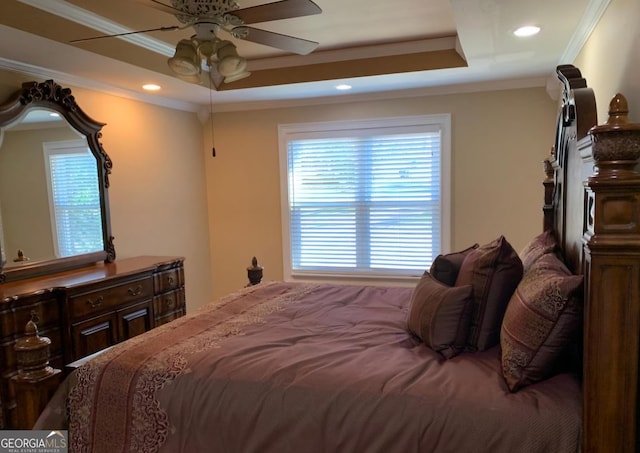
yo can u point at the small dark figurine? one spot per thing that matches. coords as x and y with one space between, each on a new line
20 257
254 272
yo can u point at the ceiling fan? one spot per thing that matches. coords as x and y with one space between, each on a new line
208 18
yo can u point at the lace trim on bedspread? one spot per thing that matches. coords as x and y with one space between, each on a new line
124 415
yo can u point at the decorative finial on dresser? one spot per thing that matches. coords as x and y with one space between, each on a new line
254 272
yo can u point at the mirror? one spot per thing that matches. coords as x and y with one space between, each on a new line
54 180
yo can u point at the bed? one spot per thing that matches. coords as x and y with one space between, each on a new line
278 366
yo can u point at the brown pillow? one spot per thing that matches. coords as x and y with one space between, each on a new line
494 270
445 268
439 315
538 246
541 320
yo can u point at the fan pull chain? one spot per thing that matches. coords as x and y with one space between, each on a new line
213 146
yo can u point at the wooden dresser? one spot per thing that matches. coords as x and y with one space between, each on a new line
86 310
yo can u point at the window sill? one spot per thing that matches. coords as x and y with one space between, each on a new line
351 279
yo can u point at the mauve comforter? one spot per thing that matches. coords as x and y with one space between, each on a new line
285 367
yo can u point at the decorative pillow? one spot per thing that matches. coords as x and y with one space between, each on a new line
439 315
541 320
445 268
538 246
494 270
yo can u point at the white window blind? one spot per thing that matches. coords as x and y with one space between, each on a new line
74 198
365 198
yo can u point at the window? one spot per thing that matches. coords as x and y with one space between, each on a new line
365 198
74 198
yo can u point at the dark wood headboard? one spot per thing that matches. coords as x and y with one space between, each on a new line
592 203
571 164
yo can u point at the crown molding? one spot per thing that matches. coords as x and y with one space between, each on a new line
81 16
441 90
64 78
592 15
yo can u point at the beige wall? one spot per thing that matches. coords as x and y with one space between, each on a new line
499 140
610 60
157 193
24 195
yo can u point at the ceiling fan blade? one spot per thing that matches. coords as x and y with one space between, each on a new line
170 28
284 9
277 40
161 6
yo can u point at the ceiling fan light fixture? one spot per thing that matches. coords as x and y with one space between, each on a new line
233 78
230 65
207 48
185 61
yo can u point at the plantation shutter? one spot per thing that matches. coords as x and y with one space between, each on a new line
76 201
365 201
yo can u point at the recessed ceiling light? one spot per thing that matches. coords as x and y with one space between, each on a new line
528 30
151 87
343 86
54 114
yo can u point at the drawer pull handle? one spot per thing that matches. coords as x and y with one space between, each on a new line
135 291
169 302
95 303
171 280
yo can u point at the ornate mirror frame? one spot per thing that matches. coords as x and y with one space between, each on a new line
49 95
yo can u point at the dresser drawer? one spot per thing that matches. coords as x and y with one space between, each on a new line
168 302
169 280
108 298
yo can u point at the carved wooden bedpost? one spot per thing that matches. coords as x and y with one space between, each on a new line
612 310
36 381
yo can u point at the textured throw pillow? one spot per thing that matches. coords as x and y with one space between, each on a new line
540 245
541 321
439 315
493 270
445 268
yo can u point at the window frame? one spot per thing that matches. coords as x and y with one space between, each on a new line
297 131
